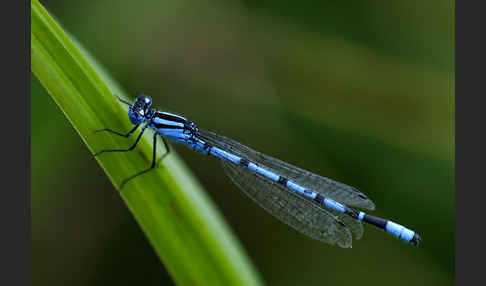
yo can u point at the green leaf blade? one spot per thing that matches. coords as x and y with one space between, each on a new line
180 221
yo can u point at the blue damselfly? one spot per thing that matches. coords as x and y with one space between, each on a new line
314 205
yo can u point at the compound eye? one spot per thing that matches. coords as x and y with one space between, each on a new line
145 99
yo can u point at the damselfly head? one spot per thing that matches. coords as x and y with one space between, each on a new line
139 110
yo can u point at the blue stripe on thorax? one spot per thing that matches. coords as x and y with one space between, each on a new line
162 121
170 117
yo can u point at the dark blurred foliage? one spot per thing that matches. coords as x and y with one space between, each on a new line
359 91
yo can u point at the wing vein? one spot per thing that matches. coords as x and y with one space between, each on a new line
300 213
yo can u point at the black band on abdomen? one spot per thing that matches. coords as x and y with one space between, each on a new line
319 199
352 213
376 221
244 162
282 180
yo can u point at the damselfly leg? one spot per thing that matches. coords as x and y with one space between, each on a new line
154 162
152 166
118 133
124 150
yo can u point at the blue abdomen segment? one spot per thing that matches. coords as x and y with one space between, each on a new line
391 227
402 232
332 204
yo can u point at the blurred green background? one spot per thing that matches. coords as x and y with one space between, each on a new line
359 91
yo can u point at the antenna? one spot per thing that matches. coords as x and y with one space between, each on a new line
121 100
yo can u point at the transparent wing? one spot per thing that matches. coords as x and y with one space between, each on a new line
355 226
296 211
329 188
291 209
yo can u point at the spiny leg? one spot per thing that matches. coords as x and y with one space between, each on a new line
118 133
153 160
167 149
125 150
146 170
